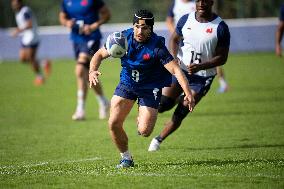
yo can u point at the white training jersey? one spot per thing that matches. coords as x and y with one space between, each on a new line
29 36
181 8
199 43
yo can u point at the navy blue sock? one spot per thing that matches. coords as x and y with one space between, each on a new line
159 138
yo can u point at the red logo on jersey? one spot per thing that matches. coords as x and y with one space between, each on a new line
146 56
209 30
84 2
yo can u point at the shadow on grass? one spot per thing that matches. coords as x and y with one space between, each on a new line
245 146
219 162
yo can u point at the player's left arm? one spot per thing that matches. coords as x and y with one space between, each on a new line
104 16
175 70
221 52
173 67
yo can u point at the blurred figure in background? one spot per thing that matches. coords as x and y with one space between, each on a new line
84 18
179 8
205 40
27 27
279 32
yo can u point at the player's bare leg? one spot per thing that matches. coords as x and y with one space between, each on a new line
120 108
173 124
147 119
224 87
103 102
29 55
82 74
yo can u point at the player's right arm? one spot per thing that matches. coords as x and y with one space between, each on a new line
174 44
177 36
28 24
95 64
64 20
170 22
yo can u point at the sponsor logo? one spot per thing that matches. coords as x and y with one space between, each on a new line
146 56
209 30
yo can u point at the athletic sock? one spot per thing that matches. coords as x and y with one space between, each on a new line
102 100
80 100
126 155
159 139
222 82
39 75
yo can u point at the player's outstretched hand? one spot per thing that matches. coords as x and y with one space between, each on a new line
94 77
190 101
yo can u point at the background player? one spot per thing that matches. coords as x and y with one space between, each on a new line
84 18
279 32
203 40
179 8
145 71
27 26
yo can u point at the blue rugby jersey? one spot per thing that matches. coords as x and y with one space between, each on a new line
143 64
83 11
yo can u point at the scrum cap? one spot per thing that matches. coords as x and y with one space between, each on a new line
144 15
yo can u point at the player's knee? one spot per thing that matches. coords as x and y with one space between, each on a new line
83 60
166 104
180 113
144 132
85 64
115 124
23 58
80 71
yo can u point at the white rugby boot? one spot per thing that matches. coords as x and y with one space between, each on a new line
154 145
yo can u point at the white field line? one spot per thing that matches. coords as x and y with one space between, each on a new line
48 163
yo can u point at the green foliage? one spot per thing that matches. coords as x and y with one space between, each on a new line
232 140
122 11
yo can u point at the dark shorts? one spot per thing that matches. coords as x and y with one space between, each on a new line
90 48
146 97
199 84
32 46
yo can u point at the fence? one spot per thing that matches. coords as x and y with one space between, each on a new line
247 35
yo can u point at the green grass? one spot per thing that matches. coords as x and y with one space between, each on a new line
232 140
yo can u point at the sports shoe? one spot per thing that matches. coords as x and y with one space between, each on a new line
154 145
78 116
125 163
47 67
104 111
38 81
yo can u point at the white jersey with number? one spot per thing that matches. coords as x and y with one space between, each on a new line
181 8
29 36
199 43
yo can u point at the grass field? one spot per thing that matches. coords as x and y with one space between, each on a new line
232 140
